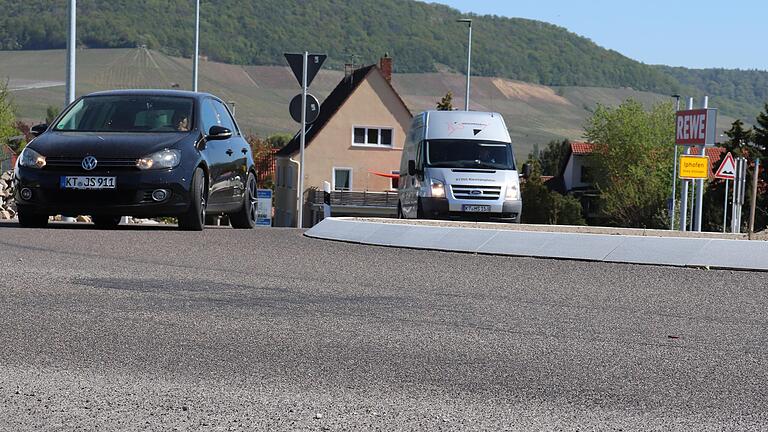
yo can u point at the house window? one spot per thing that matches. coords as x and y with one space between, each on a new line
586 174
372 136
395 180
342 179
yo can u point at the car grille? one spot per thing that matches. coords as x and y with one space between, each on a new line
465 192
59 163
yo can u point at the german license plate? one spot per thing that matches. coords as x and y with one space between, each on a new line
476 208
88 182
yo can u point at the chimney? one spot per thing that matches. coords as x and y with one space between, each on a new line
385 65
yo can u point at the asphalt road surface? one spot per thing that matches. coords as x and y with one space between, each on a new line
153 329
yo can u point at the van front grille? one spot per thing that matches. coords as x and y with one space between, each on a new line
472 192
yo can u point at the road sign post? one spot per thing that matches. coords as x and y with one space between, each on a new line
727 171
753 200
305 71
694 128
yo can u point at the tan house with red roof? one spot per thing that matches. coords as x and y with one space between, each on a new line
355 144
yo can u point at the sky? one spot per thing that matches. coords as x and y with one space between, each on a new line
694 34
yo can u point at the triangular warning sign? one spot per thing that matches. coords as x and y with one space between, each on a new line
727 169
296 62
477 131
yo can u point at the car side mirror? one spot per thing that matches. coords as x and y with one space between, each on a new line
38 129
218 133
412 168
527 170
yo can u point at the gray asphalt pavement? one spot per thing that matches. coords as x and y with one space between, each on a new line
154 329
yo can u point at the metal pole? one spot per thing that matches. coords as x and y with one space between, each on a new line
469 64
196 60
71 47
725 207
300 221
753 203
674 174
700 185
684 189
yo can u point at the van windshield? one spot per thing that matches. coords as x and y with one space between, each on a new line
469 154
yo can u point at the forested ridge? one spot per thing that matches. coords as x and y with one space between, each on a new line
422 37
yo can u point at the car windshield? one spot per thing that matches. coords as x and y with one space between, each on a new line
128 113
469 154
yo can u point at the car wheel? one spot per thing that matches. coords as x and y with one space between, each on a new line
245 218
32 220
106 222
194 218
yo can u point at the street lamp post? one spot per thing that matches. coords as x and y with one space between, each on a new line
71 47
196 60
469 59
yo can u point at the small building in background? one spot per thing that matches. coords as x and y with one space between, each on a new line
355 144
7 158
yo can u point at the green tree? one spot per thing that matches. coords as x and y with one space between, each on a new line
279 140
553 157
7 116
760 134
542 206
51 113
633 162
446 103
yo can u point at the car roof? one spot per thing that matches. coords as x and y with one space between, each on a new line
153 92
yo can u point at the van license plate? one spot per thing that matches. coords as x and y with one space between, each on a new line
476 208
87 182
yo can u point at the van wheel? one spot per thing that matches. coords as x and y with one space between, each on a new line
419 210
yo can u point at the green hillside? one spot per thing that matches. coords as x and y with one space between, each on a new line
423 37
534 113
257 32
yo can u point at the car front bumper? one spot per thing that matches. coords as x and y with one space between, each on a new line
132 195
508 211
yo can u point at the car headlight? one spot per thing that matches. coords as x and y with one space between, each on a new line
31 159
438 188
160 160
513 192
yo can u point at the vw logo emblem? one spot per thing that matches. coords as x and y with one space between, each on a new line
476 192
89 163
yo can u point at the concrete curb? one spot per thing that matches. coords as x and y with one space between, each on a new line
667 251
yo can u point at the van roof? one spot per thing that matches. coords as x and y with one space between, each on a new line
473 125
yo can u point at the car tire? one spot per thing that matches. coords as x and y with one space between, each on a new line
106 222
245 218
194 218
32 220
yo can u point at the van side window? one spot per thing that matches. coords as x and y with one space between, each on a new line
420 155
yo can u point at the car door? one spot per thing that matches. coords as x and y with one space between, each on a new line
215 154
237 152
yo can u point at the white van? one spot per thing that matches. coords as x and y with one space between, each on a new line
459 164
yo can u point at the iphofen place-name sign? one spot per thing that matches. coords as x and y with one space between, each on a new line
694 167
696 127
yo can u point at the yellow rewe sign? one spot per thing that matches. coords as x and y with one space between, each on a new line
694 167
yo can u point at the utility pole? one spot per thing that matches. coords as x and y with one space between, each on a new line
469 60
684 190
71 47
753 203
196 60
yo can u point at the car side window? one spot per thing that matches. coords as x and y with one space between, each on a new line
226 118
210 116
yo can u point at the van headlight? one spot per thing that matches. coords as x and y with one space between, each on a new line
31 159
438 188
513 192
161 160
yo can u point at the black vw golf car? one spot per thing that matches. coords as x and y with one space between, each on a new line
144 153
